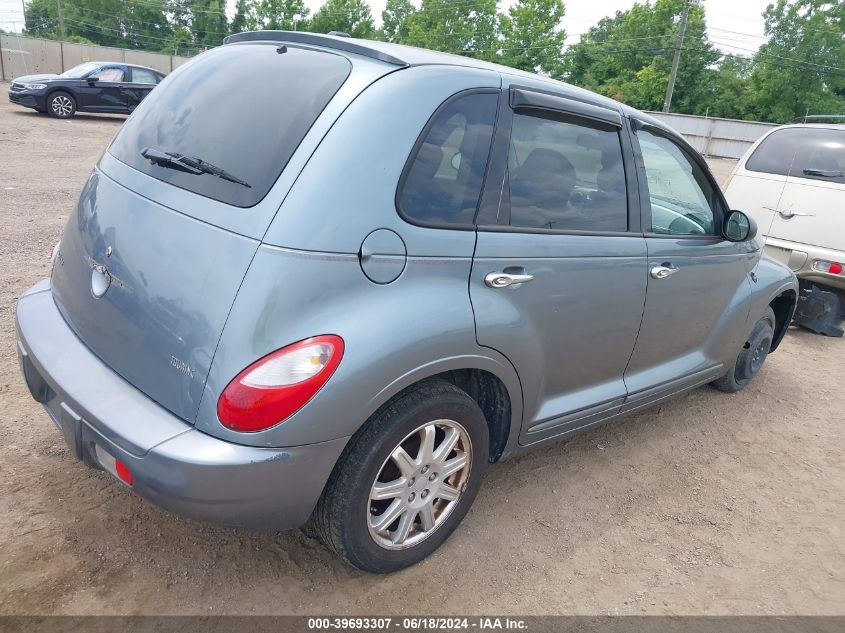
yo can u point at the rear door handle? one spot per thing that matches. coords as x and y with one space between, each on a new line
503 280
789 213
662 272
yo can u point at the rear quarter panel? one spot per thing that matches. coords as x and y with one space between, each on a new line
394 335
306 278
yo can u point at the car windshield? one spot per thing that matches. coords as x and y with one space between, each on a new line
80 71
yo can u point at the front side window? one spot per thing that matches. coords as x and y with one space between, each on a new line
110 74
143 76
815 153
566 174
443 181
682 197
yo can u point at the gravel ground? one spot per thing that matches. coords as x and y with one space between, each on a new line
709 504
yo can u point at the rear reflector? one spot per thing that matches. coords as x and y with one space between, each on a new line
275 387
122 471
113 465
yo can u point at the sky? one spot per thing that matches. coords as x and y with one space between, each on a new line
735 26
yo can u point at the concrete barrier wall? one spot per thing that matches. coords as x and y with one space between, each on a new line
719 138
152 60
26 56
75 54
29 55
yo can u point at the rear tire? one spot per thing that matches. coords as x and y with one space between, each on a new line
406 480
751 357
61 105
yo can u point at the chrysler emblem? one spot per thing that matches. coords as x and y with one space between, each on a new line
100 280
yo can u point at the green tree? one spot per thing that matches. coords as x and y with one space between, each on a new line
285 15
464 28
244 19
394 20
209 24
108 22
348 16
531 36
41 19
799 70
733 94
612 57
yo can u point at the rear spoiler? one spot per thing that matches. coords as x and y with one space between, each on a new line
335 42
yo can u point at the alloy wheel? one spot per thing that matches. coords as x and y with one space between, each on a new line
419 484
61 105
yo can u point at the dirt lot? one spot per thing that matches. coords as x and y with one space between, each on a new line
710 504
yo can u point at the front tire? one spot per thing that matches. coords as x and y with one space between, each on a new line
751 357
406 480
61 105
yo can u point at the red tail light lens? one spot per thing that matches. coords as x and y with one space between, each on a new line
275 387
123 472
834 268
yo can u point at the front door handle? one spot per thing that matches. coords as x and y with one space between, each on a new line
503 280
662 272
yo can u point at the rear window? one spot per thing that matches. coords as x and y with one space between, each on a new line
815 153
243 109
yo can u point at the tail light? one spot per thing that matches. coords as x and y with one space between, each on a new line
275 387
834 268
123 472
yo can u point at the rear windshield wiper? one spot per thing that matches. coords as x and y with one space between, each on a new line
823 173
188 164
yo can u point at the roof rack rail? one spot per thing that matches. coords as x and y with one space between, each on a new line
339 42
820 118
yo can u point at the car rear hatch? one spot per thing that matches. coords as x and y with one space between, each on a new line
153 257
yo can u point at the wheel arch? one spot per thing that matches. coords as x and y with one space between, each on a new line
783 305
492 383
64 89
774 286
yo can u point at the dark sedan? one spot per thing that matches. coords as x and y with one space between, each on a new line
89 87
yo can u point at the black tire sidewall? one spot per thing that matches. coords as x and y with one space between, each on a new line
765 327
351 488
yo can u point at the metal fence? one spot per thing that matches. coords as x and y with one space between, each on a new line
21 55
717 138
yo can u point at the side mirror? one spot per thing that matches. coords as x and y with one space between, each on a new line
93 79
739 227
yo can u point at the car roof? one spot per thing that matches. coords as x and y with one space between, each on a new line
402 55
804 126
158 72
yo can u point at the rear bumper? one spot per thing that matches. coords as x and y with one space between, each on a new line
173 465
800 257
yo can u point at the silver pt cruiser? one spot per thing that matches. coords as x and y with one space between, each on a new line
326 280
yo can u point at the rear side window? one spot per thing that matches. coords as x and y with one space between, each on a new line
815 153
566 175
243 109
143 76
443 179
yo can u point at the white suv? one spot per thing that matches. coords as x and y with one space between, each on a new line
792 182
